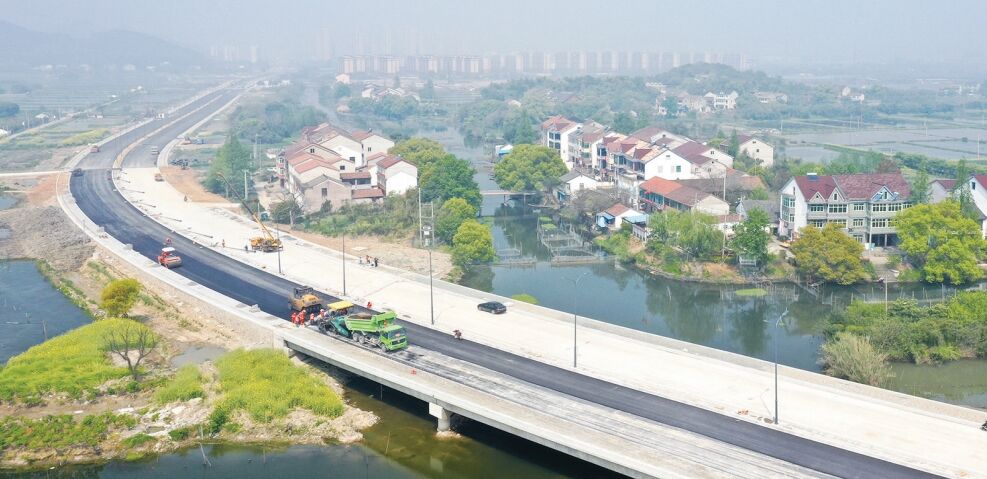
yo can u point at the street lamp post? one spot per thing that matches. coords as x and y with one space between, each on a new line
280 246
344 263
427 236
575 323
777 324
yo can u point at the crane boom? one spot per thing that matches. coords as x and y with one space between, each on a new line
268 242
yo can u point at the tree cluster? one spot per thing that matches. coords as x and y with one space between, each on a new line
943 243
829 255
693 234
529 168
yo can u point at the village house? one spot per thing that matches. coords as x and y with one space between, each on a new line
756 149
615 216
976 186
555 134
658 194
721 102
744 207
864 205
734 183
941 189
330 164
572 183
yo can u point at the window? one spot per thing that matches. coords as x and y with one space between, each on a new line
879 207
858 222
973 185
817 208
841 208
817 223
788 202
311 150
678 168
369 149
859 206
325 192
840 223
342 167
879 223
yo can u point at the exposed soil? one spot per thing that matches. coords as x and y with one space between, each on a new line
397 254
189 183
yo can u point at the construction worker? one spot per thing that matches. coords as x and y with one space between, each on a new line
370 305
294 318
301 317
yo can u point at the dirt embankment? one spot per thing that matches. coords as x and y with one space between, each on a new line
395 254
188 182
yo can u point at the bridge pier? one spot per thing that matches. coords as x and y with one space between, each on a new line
442 414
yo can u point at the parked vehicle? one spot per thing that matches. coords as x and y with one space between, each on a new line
154 151
158 177
377 330
77 172
94 148
492 307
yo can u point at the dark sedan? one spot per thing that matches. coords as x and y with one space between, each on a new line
492 307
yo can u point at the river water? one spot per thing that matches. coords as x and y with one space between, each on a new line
30 308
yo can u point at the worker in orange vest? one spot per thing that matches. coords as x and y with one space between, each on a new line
301 318
294 318
370 305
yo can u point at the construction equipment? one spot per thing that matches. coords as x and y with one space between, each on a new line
94 148
168 258
267 242
304 299
377 330
158 177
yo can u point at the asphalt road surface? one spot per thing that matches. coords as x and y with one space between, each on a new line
96 196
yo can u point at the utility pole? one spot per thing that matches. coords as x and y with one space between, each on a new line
344 263
777 324
575 318
255 150
427 234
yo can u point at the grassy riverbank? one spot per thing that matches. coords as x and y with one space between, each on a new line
69 400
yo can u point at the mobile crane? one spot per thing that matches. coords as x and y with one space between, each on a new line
266 242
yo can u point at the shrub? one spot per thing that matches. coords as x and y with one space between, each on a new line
119 296
852 357
73 363
137 440
60 431
266 385
186 385
524 297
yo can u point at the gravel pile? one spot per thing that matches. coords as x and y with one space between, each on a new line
44 233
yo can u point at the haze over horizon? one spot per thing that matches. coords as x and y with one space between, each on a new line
772 31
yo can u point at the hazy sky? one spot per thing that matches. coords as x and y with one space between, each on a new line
794 30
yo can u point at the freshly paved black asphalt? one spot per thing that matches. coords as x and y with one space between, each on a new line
96 196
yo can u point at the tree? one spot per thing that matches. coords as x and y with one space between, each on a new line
343 90
472 244
888 165
285 211
943 243
518 129
529 167
830 255
920 188
734 148
962 194
695 234
428 92
452 215
625 123
9 109
232 159
119 296
751 236
132 343
450 177
421 152
852 357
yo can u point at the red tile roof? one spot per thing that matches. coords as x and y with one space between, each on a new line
557 123
822 184
855 187
361 135
674 191
948 183
617 209
311 165
367 193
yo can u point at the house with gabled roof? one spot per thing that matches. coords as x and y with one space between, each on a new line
555 134
864 205
756 149
658 194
